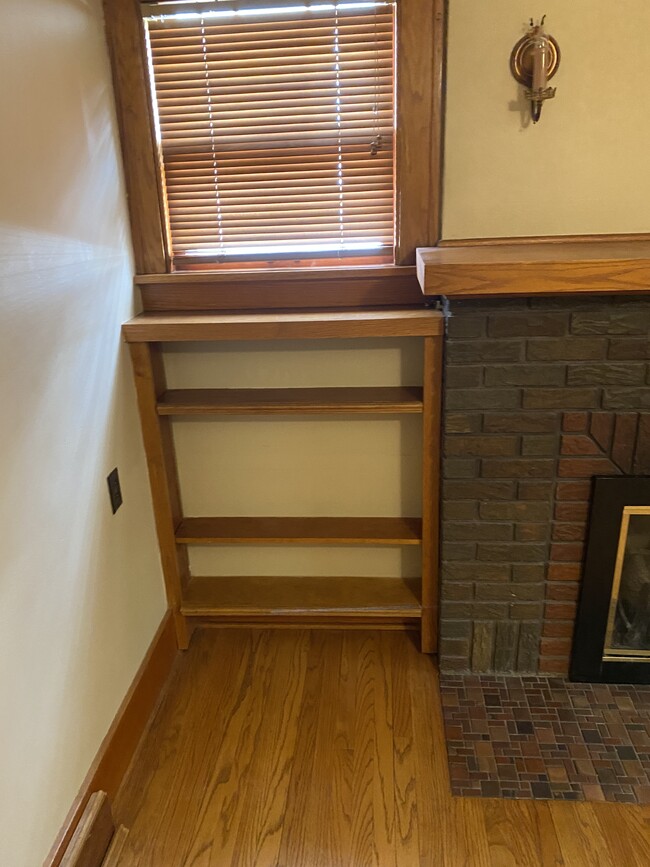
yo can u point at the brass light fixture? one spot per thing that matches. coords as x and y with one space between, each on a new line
534 61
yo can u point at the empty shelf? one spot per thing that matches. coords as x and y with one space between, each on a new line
249 401
319 598
318 531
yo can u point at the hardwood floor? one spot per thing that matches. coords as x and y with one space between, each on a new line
318 749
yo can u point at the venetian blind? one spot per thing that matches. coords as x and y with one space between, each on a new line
275 128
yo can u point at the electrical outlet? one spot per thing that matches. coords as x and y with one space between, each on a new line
114 490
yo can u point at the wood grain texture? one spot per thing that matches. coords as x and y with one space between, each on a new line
327 749
149 375
119 745
114 853
155 327
521 834
312 598
536 269
92 835
431 432
283 401
288 288
283 531
125 35
418 152
543 239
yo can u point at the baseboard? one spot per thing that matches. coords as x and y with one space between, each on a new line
119 745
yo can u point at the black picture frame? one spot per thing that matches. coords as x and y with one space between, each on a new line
610 495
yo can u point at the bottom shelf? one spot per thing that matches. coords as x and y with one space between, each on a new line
298 599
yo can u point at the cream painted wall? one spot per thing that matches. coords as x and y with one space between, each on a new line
585 167
80 590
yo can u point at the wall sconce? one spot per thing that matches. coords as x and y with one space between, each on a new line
533 62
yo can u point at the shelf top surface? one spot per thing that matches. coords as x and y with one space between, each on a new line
521 254
381 531
169 327
290 400
246 594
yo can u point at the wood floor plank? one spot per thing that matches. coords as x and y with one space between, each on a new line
521 834
407 839
305 831
451 830
580 836
384 768
626 833
222 802
263 808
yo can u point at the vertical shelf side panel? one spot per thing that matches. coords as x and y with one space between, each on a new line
149 375
431 421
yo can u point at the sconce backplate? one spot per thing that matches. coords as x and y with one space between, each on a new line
521 59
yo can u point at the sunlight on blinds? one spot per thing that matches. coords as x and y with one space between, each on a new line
275 128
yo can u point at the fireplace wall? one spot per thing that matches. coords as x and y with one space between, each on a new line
540 396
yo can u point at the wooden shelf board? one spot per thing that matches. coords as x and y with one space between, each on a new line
314 324
302 598
556 268
317 531
249 401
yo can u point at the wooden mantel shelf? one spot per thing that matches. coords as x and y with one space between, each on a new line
586 266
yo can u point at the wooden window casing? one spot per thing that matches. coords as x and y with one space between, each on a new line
417 148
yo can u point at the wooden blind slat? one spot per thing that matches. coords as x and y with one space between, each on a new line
276 131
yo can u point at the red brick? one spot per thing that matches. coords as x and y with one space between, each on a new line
584 468
569 532
562 591
557 629
531 532
560 611
578 444
571 511
601 429
555 647
553 665
625 440
642 458
567 552
575 421
573 491
564 572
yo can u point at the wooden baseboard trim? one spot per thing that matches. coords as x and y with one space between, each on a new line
128 726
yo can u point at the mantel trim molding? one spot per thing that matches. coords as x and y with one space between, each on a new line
536 266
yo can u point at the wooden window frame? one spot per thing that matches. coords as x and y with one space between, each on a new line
419 49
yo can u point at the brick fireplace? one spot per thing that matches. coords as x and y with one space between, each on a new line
541 395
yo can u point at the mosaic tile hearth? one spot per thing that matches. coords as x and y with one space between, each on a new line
546 738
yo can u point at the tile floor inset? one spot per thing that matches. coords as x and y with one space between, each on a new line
543 737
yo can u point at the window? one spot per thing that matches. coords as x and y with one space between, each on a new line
275 128
400 41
